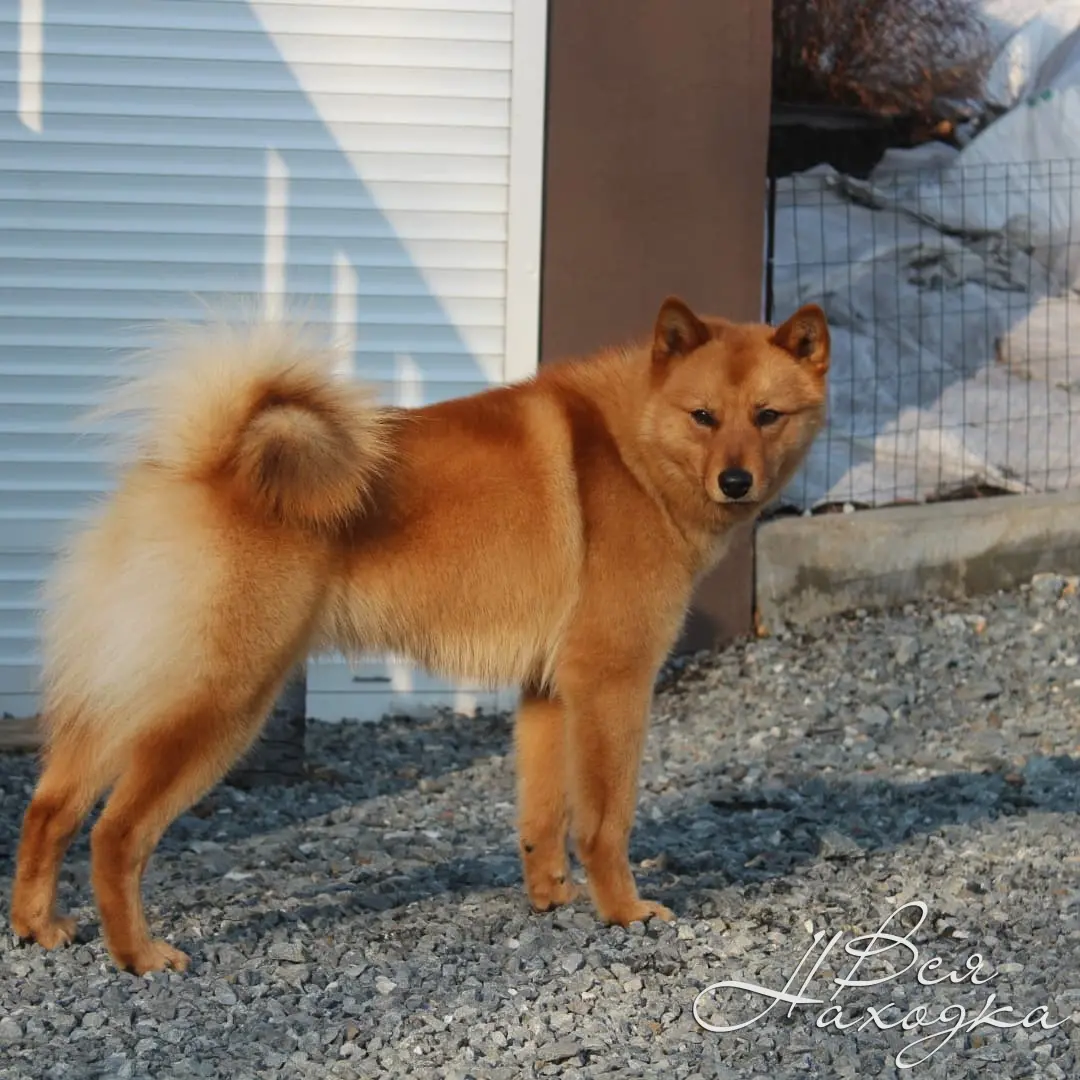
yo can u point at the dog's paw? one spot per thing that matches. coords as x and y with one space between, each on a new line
553 893
155 955
639 911
49 933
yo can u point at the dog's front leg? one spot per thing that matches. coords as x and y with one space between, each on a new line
607 712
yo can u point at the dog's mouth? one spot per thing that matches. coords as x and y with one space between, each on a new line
725 502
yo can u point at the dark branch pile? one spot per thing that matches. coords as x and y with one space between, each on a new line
914 58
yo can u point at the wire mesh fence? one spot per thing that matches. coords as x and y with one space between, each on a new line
952 299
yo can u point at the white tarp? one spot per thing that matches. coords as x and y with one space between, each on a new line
1028 33
952 294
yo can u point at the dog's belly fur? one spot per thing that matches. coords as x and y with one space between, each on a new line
460 619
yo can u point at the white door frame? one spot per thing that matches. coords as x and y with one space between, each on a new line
528 83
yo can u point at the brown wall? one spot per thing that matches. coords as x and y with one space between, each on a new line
657 133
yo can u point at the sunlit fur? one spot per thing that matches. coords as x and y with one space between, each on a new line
546 535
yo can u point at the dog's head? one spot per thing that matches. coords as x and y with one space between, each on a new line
735 406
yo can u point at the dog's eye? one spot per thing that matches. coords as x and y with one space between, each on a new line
765 417
703 417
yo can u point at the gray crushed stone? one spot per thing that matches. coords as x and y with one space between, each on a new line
370 922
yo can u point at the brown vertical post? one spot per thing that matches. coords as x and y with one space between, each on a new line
656 145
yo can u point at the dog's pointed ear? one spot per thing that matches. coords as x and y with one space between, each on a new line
678 331
806 336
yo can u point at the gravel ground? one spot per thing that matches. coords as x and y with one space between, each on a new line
370 922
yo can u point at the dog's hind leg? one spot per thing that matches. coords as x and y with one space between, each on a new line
171 764
543 812
69 786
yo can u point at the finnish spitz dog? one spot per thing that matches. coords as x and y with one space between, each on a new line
546 535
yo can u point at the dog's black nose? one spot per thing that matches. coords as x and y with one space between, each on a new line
735 483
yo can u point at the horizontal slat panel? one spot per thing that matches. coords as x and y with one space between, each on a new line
22 215
74 10
60 462
41 385
65 498
107 365
21 425
183 75
65 438
21 603
19 674
183 248
108 332
505 6
87 277
449 375
35 532
148 132
107 43
342 195
155 305
180 160
70 101
20 596
50 476
356 19
23 566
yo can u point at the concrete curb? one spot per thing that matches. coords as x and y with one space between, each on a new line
809 567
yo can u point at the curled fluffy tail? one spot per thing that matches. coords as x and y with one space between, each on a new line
260 413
